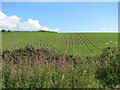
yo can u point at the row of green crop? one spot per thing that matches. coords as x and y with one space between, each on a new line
74 43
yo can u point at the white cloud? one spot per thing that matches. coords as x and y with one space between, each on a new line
30 24
56 30
8 21
47 29
13 22
103 29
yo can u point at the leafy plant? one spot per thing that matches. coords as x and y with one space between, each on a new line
108 72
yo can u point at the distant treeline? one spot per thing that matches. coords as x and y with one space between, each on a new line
47 31
3 30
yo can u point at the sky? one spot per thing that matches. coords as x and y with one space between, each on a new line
60 16
60 0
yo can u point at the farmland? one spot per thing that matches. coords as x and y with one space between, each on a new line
67 43
60 60
56 45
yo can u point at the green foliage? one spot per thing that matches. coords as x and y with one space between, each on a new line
108 72
3 30
54 71
9 30
60 60
47 31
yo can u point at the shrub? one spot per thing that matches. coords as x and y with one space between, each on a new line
42 68
47 31
9 30
108 72
3 30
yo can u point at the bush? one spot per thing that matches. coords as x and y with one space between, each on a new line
3 30
108 72
9 30
47 31
42 68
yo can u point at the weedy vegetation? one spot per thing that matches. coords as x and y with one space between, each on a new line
45 67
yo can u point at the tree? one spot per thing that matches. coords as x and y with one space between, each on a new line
9 30
3 30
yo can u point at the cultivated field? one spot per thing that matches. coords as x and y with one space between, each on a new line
68 43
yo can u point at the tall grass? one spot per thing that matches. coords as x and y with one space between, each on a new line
42 68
